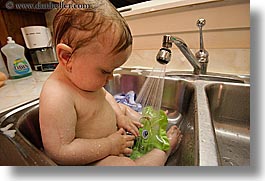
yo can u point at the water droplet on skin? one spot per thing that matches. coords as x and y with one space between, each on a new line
74 153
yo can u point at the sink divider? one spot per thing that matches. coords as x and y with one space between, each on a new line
206 142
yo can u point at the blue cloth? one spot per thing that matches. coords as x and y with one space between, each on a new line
128 99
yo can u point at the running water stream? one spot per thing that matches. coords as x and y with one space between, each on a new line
151 92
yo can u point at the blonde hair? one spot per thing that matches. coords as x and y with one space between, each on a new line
97 17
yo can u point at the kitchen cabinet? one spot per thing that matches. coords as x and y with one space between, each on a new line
12 20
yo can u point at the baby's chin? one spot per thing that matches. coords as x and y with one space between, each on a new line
87 88
94 89
91 89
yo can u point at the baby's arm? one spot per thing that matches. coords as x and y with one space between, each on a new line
58 122
126 117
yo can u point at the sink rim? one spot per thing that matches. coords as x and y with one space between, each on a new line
216 77
172 74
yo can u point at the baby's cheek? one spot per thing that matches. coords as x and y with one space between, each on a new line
99 83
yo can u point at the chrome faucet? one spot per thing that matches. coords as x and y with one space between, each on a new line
199 61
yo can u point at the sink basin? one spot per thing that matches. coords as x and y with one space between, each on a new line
26 147
230 114
209 77
178 99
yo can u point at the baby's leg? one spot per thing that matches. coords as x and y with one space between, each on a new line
158 157
174 136
155 157
115 161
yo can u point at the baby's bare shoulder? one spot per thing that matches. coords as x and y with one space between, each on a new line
56 87
56 93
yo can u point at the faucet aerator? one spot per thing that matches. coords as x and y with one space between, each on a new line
163 56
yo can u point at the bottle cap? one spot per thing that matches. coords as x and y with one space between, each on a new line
9 40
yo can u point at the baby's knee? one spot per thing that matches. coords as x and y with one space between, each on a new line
121 161
116 161
125 161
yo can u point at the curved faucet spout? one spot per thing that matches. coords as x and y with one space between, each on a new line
164 53
183 47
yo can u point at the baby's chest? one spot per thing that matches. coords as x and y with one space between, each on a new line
96 119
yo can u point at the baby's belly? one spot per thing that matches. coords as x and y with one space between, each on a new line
101 124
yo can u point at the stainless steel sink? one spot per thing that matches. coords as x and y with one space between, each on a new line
230 113
26 147
178 99
213 116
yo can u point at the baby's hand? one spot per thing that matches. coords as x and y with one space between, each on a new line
129 125
120 142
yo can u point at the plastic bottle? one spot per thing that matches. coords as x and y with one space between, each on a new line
18 65
3 66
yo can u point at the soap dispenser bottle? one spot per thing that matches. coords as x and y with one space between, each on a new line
3 66
18 65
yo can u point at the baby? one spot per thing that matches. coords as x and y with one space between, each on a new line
81 123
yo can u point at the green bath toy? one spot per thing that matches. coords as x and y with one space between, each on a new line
152 134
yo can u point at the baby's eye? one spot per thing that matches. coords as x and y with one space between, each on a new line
105 72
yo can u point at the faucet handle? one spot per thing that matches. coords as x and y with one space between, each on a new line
201 22
202 54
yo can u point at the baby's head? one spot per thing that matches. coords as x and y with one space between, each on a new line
76 27
91 40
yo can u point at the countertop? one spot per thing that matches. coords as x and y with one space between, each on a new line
16 92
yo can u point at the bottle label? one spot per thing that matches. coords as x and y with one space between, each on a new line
21 66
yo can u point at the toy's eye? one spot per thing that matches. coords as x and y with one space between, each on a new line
145 134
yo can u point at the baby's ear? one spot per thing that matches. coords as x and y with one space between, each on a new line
64 53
